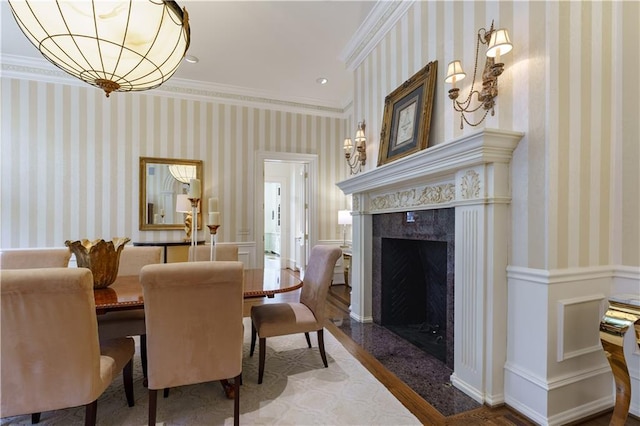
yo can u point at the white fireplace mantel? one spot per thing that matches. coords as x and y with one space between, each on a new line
471 174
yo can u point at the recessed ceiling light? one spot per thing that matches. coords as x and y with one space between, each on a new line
322 80
191 59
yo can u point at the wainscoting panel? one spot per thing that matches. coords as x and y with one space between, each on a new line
576 319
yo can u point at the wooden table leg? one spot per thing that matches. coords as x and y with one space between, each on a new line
227 386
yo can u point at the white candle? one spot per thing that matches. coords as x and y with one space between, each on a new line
213 205
161 212
194 188
214 218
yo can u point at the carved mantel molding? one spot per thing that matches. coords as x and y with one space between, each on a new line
444 175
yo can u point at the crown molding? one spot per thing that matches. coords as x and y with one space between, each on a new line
383 17
36 69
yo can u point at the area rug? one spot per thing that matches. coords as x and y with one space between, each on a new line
296 390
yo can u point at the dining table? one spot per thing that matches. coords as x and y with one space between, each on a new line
126 291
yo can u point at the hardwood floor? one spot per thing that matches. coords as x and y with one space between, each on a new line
337 307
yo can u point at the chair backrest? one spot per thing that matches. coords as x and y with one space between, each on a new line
193 313
133 258
317 278
50 350
35 258
223 252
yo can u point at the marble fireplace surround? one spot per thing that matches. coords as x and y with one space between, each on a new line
472 175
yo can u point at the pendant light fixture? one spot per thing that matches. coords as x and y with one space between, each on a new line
118 46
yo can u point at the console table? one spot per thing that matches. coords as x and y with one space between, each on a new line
622 316
346 259
166 245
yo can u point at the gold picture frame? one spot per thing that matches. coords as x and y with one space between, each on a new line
407 116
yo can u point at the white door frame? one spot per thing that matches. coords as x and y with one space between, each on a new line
311 160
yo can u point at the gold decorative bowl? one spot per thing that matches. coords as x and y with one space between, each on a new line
100 256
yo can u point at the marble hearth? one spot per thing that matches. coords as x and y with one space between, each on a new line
471 175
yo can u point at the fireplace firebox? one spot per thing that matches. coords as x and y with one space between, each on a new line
413 278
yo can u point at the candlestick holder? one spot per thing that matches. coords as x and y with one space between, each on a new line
194 231
213 229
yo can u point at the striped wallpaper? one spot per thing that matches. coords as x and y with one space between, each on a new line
70 156
570 84
70 160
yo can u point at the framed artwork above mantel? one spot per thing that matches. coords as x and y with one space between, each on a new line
407 116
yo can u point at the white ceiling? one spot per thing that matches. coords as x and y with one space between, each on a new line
276 48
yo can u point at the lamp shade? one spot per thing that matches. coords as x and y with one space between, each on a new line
344 217
118 46
499 43
183 205
182 172
454 72
348 145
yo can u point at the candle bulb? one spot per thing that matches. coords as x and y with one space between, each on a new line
194 188
213 205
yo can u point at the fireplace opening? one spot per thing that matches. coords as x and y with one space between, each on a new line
414 292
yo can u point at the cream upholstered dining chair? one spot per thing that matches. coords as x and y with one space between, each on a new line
131 322
35 258
51 355
278 319
194 325
223 252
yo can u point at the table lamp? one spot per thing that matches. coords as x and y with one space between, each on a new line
183 205
344 219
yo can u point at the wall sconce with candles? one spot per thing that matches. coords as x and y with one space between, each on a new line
358 157
498 43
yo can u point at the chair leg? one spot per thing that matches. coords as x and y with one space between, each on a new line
236 400
35 418
253 339
321 346
90 414
143 354
165 393
127 379
153 402
263 350
306 335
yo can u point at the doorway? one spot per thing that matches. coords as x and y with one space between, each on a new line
285 218
272 218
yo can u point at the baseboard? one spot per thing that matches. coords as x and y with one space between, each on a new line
581 412
469 390
359 318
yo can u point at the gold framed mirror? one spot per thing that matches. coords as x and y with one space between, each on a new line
161 181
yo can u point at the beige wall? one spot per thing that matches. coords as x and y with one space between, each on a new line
570 84
69 156
70 159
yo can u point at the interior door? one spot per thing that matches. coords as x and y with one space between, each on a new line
272 217
302 216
